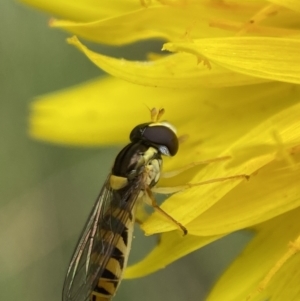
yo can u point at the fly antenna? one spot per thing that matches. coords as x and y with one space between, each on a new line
156 114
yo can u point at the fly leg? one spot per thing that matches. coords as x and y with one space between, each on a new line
173 173
170 174
149 199
174 189
170 190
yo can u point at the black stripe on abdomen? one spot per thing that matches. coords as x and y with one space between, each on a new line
111 276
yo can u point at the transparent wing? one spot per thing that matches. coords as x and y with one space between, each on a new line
98 239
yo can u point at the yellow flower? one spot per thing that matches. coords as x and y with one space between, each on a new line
232 86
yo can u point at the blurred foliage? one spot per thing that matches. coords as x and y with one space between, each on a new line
47 190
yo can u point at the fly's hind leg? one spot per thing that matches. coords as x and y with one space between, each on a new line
149 198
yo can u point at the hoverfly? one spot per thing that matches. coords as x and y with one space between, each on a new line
98 262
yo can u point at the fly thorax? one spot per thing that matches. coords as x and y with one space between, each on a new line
153 171
153 166
130 162
134 160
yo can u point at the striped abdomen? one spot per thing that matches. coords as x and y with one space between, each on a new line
117 219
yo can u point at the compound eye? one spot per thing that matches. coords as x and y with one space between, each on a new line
163 137
138 132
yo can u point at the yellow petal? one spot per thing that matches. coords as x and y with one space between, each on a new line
161 255
104 111
291 4
87 114
242 278
152 22
76 116
272 191
285 123
84 10
176 71
137 25
262 57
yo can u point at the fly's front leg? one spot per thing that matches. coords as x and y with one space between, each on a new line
170 190
173 173
170 174
149 199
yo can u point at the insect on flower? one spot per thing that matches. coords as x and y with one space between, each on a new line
98 262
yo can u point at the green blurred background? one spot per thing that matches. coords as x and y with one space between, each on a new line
47 191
